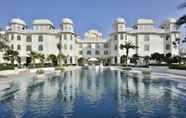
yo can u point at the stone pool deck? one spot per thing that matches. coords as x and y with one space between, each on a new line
8 76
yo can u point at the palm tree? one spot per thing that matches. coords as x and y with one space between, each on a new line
157 56
135 58
127 46
11 55
181 6
59 47
53 59
61 57
3 45
41 57
182 19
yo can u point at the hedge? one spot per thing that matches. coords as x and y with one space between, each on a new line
6 67
180 67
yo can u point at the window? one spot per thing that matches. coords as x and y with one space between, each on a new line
167 47
97 52
115 47
116 37
89 46
167 38
40 38
12 47
28 48
71 37
97 46
65 36
121 36
18 37
18 47
65 46
146 38
106 52
71 47
80 52
80 46
88 52
29 39
126 37
146 47
40 48
12 37
106 45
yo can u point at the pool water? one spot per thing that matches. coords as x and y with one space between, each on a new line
97 94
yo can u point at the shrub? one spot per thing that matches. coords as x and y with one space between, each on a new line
7 67
126 68
146 72
180 67
40 71
61 68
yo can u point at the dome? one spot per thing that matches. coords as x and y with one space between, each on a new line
145 21
67 20
172 20
120 20
17 21
42 22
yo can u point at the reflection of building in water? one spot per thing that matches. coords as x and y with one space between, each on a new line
93 86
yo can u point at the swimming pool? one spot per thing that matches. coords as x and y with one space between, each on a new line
97 94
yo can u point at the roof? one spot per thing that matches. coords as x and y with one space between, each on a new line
42 22
17 21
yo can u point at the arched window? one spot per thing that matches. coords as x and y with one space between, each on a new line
18 37
71 60
40 48
115 60
40 38
28 48
28 38
18 47
12 46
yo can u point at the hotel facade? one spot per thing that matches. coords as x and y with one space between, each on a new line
43 37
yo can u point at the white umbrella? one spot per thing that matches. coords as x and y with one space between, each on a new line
93 59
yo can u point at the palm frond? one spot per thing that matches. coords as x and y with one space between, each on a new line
182 6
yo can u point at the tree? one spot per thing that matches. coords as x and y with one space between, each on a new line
177 59
146 60
81 61
127 46
168 58
3 45
41 57
11 55
157 57
34 56
61 57
134 58
53 59
182 5
123 59
181 21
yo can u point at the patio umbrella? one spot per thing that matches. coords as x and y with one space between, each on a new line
93 59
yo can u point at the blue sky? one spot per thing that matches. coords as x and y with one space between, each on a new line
87 14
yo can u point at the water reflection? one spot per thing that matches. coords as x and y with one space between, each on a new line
97 93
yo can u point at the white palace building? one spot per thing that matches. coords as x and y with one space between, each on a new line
43 37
